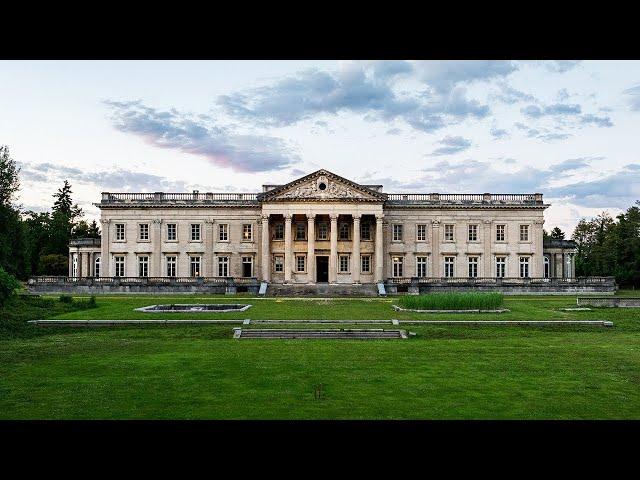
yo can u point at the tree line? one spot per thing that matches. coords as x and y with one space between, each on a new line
37 243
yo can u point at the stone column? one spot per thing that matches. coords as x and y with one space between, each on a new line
355 254
487 249
70 264
86 268
435 249
311 247
209 239
379 247
79 253
333 258
557 263
105 242
156 258
266 257
288 248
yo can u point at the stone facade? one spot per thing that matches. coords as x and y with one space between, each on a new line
319 228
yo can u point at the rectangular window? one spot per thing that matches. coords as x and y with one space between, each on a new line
524 267
172 266
172 232
119 264
300 263
421 266
449 264
365 231
501 267
473 267
223 266
194 267
247 232
195 232
301 231
343 231
524 233
247 266
143 231
119 232
500 233
323 231
397 264
421 233
448 233
343 263
473 233
397 232
143 266
365 263
75 265
278 231
223 232
278 263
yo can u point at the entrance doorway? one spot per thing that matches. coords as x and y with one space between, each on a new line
322 269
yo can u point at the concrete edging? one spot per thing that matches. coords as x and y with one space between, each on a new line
397 308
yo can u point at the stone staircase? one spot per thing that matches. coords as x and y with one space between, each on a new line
324 334
322 290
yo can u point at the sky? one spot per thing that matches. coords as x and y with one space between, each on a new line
567 129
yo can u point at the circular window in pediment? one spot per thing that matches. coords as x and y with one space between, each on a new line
322 186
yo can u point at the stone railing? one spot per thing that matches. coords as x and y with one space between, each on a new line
507 285
465 198
85 242
58 284
161 198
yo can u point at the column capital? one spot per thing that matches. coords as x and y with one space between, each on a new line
356 216
105 221
287 217
333 216
311 216
379 217
435 223
264 217
157 221
209 221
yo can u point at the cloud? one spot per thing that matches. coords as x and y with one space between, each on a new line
510 95
572 164
451 145
443 75
498 133
394 131
109 180
199 135
363 88
634 97
534 111
599 121
561 66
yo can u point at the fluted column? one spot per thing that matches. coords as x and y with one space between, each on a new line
487 249
333 258
355 254
379 249
311 248
288 248
105 243
435 249
209 239
266 260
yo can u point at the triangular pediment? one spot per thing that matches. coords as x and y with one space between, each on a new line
322 185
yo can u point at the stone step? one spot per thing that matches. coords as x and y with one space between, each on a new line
323 290
347 334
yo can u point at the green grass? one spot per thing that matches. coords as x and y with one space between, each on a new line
189 372
453 301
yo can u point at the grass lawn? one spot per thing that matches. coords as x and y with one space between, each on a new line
201 372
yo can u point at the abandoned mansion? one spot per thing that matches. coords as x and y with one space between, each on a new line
321 229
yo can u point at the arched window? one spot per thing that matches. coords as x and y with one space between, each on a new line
546 267
96 268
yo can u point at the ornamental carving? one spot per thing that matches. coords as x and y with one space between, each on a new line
323 188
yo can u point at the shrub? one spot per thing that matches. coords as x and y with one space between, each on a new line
8 284
66 298
453 301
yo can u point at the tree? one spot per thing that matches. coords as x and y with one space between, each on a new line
557 233
9 181
54 264
63 220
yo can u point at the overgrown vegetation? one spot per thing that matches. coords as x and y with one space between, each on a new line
453 301
8 284
19 309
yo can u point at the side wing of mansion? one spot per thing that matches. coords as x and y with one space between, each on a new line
321 228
